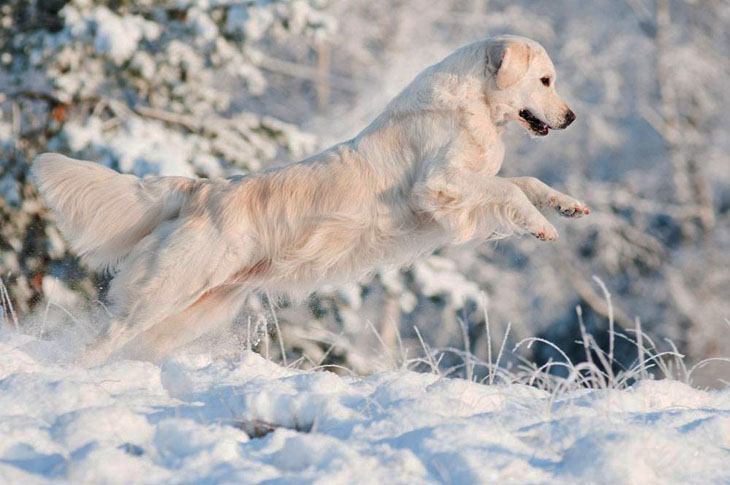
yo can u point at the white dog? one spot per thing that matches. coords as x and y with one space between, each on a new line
422 175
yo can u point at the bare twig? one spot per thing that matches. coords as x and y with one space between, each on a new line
303 71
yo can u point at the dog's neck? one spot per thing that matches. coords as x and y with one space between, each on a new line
500 114
444 105
424 131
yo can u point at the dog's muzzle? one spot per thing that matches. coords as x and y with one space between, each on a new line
537 126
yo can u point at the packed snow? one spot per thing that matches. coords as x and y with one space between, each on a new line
195 418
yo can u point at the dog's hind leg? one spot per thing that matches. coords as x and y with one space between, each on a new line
211 311
542 196
169 271
101 350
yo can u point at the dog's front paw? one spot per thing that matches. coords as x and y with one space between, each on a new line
568 206
545 232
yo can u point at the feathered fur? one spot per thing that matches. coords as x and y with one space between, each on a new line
104 213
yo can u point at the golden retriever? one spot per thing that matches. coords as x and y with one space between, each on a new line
423 174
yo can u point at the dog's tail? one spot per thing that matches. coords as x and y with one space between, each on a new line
101 212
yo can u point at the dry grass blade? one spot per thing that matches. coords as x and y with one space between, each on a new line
429 355
7 305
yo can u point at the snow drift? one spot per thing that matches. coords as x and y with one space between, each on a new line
197 419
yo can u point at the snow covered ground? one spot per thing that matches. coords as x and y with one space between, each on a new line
195 419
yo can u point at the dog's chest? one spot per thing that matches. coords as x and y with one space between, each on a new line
493 156
482 147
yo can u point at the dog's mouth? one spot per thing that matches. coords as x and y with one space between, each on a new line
535 124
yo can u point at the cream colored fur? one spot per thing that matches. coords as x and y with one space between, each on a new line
422 175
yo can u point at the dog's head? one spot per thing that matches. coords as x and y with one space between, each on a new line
521 85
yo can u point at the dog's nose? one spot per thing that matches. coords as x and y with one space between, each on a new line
569 118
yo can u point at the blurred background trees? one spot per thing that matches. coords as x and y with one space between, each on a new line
144 87
217 88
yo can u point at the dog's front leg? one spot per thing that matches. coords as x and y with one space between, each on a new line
513 204
474 207
542 196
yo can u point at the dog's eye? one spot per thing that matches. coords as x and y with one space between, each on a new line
545 81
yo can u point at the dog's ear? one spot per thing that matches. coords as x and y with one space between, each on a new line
508 61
